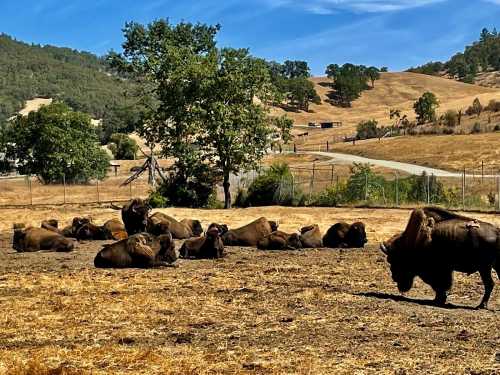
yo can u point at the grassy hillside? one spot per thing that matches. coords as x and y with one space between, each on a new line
78 78
393 90
450 152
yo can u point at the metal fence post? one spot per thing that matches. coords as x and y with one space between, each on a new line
64 188
498 192
31 190
463 190
366 186
130 188
331 179
293 188
98 193
428 189
397 189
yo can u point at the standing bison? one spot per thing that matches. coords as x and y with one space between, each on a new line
135 216
343 235
138 251
437 242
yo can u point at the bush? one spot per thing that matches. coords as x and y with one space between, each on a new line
194 192
493 106
123 147
367 130
448 131
496 128
476 128
330 197
450 118
274 186
156 200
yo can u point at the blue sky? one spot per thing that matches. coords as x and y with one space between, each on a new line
393 33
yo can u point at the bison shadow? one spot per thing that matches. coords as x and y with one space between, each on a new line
422 302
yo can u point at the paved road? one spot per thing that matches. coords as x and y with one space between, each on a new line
338 158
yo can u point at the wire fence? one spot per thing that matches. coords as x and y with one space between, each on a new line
326 185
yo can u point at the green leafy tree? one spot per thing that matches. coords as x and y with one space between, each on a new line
301 93
283 126
56 143
296 69
123 147
373 74
425 107
238 131
120 119
477 107
349 81
172 64
367 130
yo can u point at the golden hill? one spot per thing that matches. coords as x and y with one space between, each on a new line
393 90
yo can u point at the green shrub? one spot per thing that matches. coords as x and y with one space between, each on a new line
156 200
450 118
193 192
476 128
367 130
331 196
123 147
274 186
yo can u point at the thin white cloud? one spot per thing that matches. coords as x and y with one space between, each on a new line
364 6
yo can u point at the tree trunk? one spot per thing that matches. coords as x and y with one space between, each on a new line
227 192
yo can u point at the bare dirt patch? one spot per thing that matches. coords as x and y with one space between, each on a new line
315 311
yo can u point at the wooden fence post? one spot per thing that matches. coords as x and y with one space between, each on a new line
98 193
31 191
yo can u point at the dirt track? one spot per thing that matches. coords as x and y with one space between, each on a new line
316 311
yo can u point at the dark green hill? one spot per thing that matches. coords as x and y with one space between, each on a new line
481 57
78 78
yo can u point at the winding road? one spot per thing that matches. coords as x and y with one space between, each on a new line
338 158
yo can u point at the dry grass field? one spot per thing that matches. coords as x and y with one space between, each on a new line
449 152
393 90
253 312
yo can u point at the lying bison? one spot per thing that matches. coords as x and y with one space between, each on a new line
209 246
279 240
141 250
437 242
111 230
35 239
180 230
310 237
250 234
343 235
135 216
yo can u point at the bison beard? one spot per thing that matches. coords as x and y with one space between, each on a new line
437 242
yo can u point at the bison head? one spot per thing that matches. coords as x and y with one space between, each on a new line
294 241
196 228
221 228
399 261
356 236
168 252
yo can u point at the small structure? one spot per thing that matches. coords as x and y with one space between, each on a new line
115 166
331 124
312 125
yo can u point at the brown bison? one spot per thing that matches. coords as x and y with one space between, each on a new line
343 235
437 242
141 250
311 237
221 228
209 246
279 240
250 234
35 239
135 216
180 230
111 230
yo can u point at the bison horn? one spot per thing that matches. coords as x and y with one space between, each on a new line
383 248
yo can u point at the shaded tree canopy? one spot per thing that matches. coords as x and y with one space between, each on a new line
55 143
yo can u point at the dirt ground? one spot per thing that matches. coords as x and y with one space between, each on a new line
305 312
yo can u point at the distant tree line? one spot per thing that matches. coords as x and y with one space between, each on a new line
79 79
481 56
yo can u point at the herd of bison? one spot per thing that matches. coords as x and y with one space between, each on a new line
435 243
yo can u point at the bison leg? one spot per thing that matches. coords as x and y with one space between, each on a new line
488 287
441 285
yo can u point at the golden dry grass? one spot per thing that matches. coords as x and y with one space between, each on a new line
307 312
450 152
393 90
